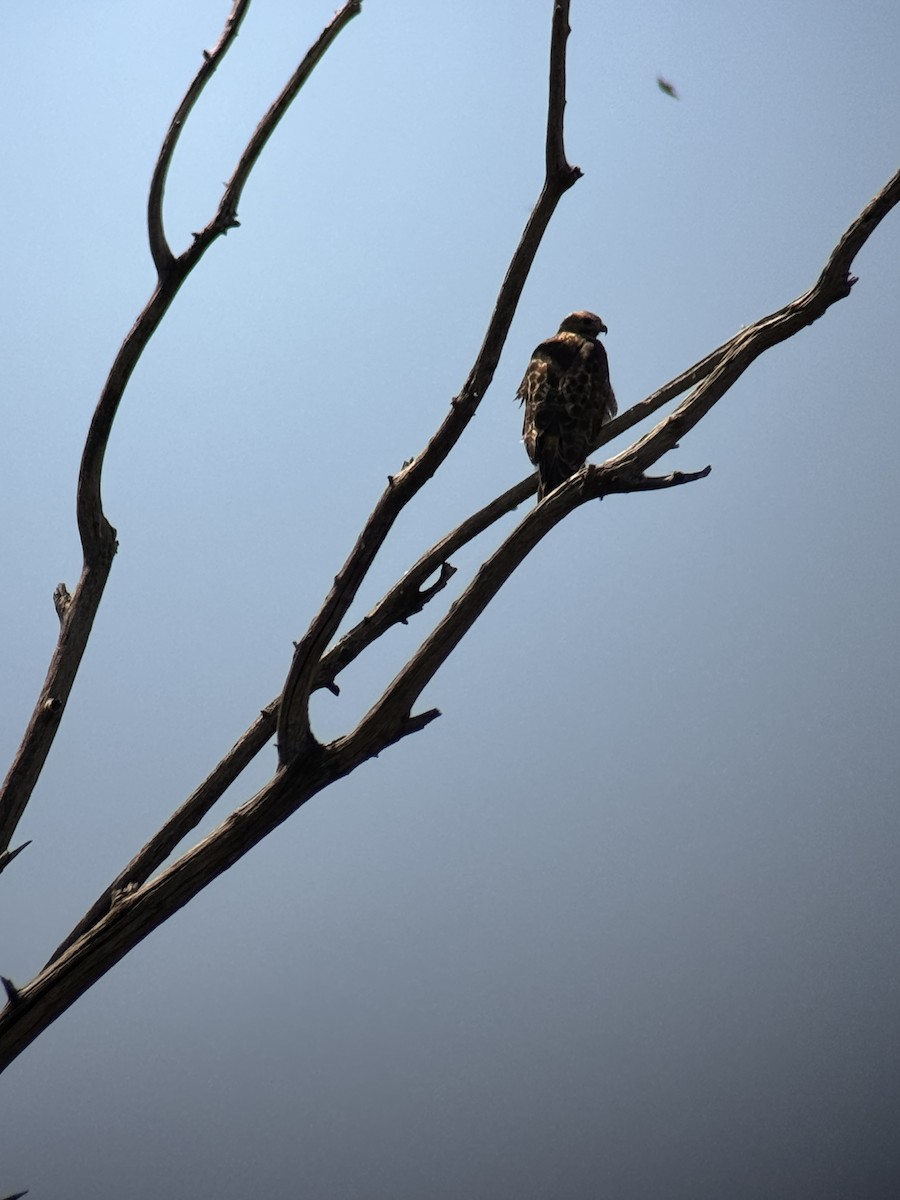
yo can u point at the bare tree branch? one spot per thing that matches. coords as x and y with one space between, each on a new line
98 538
163 258
510 499
408 595
136 904
406 598
391 609
590 483
267 126
185 818
294 732
12 992
308 767
834 283
625 471
8 855
136 912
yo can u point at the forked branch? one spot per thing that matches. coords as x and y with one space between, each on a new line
163 258
136 904
98 537
410 594
294 732
625 472
305 767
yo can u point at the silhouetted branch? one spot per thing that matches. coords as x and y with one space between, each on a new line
12 992
163 258
309 766
294 732
8 855
267 126
136 904
557 166
625 471
590 483
98 538
136 911
618 475
406 598
609 484
834 283
185 818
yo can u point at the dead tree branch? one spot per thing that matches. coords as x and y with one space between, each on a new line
294 732
625 472
8 855
134 910
98 537
834 283
163 258
409 594
185 818
136 904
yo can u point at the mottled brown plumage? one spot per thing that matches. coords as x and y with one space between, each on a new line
567 397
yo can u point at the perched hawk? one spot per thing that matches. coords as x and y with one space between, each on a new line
567 397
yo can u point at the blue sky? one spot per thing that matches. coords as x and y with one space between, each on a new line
624 921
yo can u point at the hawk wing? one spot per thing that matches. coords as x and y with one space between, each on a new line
567 396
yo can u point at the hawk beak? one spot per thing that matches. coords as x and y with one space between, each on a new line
603 328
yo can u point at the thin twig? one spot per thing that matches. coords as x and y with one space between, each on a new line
267 126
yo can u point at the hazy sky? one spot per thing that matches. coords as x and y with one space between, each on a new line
623 923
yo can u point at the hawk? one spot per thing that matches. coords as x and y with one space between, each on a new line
567 397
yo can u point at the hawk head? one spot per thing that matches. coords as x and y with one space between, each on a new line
587 324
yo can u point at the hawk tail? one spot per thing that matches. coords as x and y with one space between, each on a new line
553 471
